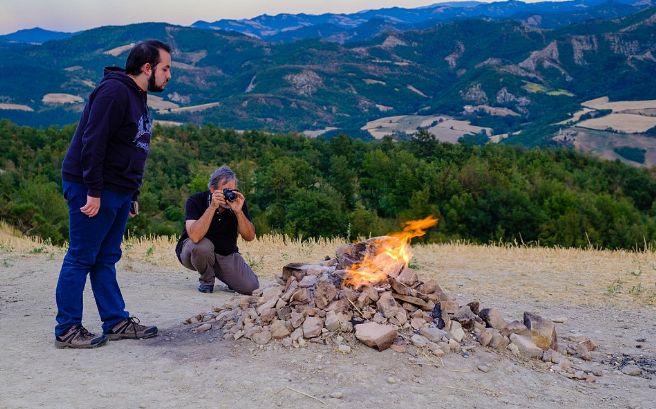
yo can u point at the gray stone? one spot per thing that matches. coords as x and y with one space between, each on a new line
515 327
485 337
454 346
419 341
498 341
202 328
297 318
336 395
483 368
493 318
279 329
632 370
337 321
433 334
376 335
308 281
297 334
345 349
324 293
417 323
407 276
312 327
388 305
466 317
436 349
543 331
526 346
582 352
456 331
262 337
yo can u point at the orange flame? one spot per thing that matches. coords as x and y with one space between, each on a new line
391 255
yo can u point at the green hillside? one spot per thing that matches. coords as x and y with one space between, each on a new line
349 188
311 84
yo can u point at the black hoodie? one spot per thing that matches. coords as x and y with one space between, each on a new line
111 142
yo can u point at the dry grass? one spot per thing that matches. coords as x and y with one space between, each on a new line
557 276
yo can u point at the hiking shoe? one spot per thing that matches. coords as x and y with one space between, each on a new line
130 328
206 288
78 337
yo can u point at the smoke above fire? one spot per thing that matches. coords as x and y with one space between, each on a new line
391 254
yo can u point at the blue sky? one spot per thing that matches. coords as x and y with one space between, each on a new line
75 15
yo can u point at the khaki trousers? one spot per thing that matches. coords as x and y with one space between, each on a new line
232 269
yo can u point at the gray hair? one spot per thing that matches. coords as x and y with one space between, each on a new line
224 173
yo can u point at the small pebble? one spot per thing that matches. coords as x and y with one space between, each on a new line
559 320
345 349
483 368
632 370
391 380
142 406
337 395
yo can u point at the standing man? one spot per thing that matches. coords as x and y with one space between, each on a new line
102 172
208 243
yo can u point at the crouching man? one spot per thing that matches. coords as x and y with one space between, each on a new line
208 243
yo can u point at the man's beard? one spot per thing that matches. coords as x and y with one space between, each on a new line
152 85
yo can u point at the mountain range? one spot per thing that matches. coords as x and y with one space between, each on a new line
514 77
370 23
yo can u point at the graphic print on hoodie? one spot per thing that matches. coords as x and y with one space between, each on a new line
112 139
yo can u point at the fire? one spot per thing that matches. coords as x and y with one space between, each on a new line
392 253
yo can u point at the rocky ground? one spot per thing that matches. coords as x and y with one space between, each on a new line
605 296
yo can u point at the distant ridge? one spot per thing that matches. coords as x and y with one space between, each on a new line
357 26
35 35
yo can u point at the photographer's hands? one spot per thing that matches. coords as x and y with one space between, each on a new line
218 200
238 203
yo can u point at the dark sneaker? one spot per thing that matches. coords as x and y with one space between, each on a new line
78 337
206 288
131 329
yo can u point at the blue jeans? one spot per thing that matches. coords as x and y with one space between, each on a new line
94 248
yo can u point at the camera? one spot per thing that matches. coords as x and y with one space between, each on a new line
229 194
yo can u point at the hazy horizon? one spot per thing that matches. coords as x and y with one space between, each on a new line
78 15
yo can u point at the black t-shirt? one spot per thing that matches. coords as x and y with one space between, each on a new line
222 231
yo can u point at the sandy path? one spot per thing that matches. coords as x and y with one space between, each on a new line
179 369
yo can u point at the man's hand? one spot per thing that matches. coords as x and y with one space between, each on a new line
238 203
92 207
134 208
217 200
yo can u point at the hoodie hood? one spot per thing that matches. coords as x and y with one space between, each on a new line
119 74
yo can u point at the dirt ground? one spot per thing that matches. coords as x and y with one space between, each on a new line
607 296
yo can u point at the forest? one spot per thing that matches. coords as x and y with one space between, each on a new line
351 188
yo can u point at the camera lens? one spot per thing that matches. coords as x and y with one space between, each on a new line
229 195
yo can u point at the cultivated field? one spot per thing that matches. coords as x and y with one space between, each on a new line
59 98
625 123
445 128
609 296
16 107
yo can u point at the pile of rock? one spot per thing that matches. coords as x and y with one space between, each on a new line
311 304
